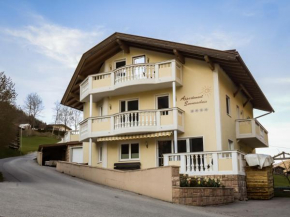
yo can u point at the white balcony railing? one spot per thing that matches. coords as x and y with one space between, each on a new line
252 132
136 74
140 121
72 135
208 163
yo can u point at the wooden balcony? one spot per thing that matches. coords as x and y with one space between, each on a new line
148 76
208 163
133 122
252 133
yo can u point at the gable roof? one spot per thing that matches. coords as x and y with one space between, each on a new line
229 60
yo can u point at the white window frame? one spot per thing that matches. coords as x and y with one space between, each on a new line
129 143
126 104
120 60
100 153
141 55
228 105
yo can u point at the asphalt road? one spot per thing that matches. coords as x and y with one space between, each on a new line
31 190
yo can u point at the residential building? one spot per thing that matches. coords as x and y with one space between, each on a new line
148 102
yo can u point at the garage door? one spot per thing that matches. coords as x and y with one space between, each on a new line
77 155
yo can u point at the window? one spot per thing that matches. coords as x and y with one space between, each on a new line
163 103
129 105
139 59
100 153
130 151
228 104
231 145
181 146
120 63
196 144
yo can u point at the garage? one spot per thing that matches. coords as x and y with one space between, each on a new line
77 155
69 151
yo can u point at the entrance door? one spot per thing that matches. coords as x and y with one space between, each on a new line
130 105
162 102
164 147
139 71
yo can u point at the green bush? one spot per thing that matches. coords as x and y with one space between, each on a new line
186 181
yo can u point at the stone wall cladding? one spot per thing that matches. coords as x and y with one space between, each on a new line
237 182
202 196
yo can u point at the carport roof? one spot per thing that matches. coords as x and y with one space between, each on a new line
57 145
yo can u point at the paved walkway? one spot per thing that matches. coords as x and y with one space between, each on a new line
31 190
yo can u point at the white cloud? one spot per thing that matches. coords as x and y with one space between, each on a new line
218 40
42 58
60 43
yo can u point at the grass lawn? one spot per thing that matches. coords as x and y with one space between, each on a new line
280 180
30 144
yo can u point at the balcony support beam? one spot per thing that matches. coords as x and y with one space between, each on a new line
248 100
123 46
179 56
76 97
209 62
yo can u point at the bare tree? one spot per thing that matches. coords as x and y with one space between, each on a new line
76 118
66 116
33 106
57 108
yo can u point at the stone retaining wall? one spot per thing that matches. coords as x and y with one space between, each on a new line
202 196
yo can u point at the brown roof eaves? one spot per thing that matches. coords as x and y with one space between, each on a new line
229 60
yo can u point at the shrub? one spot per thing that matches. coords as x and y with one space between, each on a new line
186 181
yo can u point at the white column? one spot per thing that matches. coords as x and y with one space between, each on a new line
91 105
217 108
173 94
175 141
174 105
90 152
235 162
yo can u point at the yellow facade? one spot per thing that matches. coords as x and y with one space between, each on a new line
195 97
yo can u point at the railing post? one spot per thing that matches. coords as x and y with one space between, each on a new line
165 160
173 68
156 71
112 79
158 119
215 162
253 127
235 162
182 164
112 123
90 83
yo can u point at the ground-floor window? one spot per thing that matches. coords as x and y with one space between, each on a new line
181 146
129 151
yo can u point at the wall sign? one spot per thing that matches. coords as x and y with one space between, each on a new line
199 99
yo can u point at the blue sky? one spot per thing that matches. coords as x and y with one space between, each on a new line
42 41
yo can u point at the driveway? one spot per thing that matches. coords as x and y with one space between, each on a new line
31 190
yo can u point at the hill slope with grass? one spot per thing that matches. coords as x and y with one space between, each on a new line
29 144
